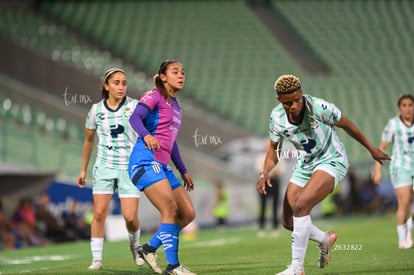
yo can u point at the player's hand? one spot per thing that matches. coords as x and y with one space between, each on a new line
380 155
151 142
188 182
376 178
81 179
261 183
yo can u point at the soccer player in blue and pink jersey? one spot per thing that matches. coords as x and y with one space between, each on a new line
157 120
309 124
400 132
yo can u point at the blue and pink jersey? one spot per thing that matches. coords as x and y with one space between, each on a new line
162 120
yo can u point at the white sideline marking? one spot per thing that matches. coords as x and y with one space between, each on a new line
35 270
29 260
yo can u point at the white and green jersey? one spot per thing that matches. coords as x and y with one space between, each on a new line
315 138
115 137
402 137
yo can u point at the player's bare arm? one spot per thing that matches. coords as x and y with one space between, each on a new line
270 161
352 130
376 173
86 154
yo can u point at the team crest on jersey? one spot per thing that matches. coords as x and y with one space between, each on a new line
313 123
128 111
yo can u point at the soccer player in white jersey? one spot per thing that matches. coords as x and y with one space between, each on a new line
109 119
400 132
309 124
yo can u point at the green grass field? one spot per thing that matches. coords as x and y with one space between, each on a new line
366 245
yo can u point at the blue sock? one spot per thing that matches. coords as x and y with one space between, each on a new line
168 234
155 241
179 228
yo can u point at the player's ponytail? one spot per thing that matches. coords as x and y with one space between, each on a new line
159 84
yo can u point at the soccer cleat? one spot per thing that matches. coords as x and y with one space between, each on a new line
179 270
409 239
275 233
135 255
150 259
261 233
95 265
293 270
404 245
325 248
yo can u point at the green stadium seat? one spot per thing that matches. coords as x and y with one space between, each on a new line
231 60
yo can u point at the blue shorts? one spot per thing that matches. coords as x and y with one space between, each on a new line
146 174
401 177
336 167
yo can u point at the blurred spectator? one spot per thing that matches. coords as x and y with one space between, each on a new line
329 205
7 239
75 223
53 230
368 195
221 208
349 200
360 195
24 224
88 216
190 231
386 196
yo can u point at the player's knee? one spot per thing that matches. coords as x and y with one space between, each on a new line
131 221
191 215
99 215
300 208
187 217
170 211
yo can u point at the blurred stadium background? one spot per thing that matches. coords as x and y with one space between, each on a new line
357 54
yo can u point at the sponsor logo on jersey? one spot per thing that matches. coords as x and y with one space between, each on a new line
116 130
156 167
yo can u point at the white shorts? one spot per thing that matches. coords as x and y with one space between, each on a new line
108 181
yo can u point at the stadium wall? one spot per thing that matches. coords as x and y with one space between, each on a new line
40 71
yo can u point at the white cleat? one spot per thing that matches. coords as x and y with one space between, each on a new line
150 259
325 248
409 239
179 270
95 265
135 255
405 245
293 270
